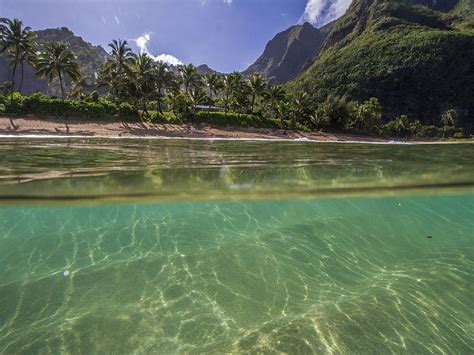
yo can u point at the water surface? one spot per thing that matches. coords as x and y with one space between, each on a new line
235 247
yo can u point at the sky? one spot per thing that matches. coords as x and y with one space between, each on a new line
227 35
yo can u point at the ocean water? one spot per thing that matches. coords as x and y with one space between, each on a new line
133 246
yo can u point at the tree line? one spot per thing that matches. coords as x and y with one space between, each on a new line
149 85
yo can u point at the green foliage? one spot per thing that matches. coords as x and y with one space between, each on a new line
411 58
334 112
18 42
366 117
56 61
44 106
449 118
180 103
400 127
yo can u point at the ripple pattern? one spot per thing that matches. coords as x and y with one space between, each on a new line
326 276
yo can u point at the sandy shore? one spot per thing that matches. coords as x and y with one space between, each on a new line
31 126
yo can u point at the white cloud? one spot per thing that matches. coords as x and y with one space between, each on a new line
321 12
205 2
168 58
142 44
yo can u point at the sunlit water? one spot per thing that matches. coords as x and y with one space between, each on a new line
185 246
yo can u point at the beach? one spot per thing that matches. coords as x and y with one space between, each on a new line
32 126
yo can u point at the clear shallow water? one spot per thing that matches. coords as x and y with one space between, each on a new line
345 274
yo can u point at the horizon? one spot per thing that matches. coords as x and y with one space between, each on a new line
226 35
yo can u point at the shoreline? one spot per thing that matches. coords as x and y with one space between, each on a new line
33 127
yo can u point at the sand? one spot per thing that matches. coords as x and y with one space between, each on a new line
31 126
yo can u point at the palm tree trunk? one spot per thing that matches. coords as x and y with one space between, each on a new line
253 101
210 100
145 109
13 74
158 103
227 101
61 82
22 73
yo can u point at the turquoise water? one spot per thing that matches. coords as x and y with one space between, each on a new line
154 247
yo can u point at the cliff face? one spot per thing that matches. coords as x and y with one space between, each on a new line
416 56
89 58
289 53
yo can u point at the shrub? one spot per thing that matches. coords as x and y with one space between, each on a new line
127 112
366 117
428 132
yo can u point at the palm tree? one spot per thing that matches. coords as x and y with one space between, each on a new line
118 68
274 96
143 79
190 77
257 85
19 42
57 61
299 106
448 119
198 97
163 78
121 56
233 87
215 85
77 91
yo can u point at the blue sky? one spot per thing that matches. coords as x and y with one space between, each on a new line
225 34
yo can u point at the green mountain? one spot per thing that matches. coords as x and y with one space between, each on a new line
289 53
89 57
416 57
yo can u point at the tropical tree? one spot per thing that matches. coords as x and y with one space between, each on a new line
189 77
235 92
164 79
299 107
19 42
367 116
179 102
117 70
273 97
448 119
6 88
215 84
77 91
55 60
335 111
257 85
142 81
402 125
198 97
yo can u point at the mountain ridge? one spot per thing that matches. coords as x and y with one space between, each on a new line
289 53
89 57
417 59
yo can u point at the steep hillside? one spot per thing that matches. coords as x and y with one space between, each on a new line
89 57
204 69
417 57
289 53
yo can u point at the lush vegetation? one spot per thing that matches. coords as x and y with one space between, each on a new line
417 60
89 58
135 87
